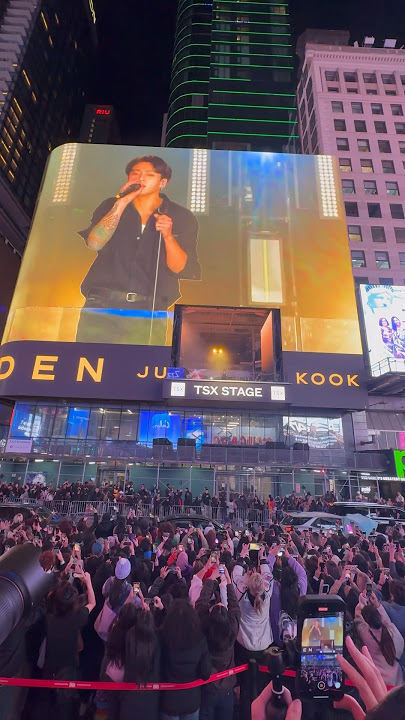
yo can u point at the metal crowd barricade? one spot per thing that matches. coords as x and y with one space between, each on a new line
75 508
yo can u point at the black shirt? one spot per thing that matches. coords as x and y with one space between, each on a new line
127 263
62 637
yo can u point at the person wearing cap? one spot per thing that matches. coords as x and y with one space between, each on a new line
116 590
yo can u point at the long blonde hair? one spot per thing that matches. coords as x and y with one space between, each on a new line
256 588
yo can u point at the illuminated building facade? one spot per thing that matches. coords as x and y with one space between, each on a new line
45 47
99 125
232 78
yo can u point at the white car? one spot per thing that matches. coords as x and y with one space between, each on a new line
313 521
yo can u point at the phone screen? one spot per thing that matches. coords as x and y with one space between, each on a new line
320 675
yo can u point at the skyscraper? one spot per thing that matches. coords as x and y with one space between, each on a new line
351 104
99 125
232 77
45 46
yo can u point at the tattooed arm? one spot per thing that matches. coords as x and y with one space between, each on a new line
103 231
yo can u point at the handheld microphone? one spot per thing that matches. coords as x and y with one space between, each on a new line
129 189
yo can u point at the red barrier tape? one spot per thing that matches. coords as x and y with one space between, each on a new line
83 685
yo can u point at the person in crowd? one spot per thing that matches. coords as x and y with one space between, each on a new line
220 624
286 593
382 639
59 653
395 609
184 657
254 587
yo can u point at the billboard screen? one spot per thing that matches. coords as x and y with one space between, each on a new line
384 320
121 234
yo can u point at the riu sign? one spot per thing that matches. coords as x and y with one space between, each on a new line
335 379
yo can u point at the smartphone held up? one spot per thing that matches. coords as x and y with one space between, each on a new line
320 638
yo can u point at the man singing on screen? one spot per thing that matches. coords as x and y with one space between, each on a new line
145 243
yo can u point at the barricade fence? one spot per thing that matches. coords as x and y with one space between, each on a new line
75 508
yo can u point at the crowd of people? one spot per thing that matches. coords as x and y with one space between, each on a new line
222 506
135 600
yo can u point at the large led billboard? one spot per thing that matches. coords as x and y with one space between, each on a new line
204 227
121 235
384 320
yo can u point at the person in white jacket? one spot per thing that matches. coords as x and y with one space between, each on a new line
253 590
382 638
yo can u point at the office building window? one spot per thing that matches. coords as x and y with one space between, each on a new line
340 124
388 167
382 260
378 234
380 126
384 146
337 106
400 128
361 280
363 145
354 233
402 259
374 210
391 92
342 143
388 79
333 89
331 75
345 165
392 188
377 109
369 77
401 144
366 166
397 211
352 90
370 187
350 77
371 92
399 234
348 187
357 108
360 126
351 209
358 258
386 280
397 110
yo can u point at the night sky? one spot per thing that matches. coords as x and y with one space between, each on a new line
136 43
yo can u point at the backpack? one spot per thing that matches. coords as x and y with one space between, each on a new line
287 627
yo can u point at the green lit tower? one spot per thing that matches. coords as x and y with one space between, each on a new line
232 81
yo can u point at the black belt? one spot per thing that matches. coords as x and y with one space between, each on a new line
114 298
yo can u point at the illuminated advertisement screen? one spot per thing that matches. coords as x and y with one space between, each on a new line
122 234
384 319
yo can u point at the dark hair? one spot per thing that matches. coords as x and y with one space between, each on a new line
181 629
157 163
218 630
63 600
141 649
289 591
373 619
115 593
311 564
397 590
145 544
115 648
393 706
